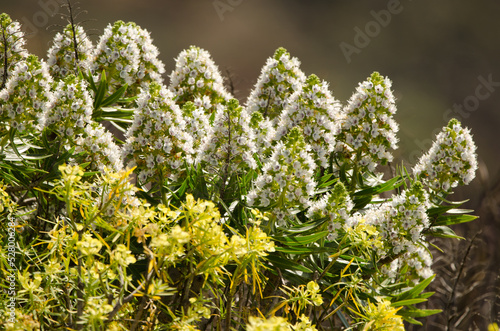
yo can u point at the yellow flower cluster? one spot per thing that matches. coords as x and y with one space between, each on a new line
96 309
5 201
122 255
89 245
196 233
274 323
382 316
22 322
300 297
171 245
304 325
365 236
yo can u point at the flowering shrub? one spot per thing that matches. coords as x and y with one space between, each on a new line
270 215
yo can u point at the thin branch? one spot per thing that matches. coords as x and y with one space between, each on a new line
72 22
5 62
460 271
129 297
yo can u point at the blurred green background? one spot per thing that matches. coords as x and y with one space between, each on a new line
442 56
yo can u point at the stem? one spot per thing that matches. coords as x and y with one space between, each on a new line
5 62
354 179
185 294
138 315
75 42
129 298
228 310
70 307
164 200
453 291
80 297
222 190
231 85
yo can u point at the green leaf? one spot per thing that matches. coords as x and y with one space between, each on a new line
442 231
415 291
37 156
301 240
377 189
436 247
415 313
105 225
454 219
147 197
435 211
409 319
408 302
12 134
426 295
303 250
101 90
117 113
90 80
286 264
119 125
113 98
459 211
304 227
325 181
361 202
182 189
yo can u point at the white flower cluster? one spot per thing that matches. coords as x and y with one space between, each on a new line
157 141
99 147
229 144
197 121
368 130
196 78
400 222
286 180
264 131
72 108
11 44
336 205
126 53
317 112
279 79
451 160
26 96
62 56
417 264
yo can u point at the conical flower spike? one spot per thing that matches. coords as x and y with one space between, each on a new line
196 78
279 79
451 160
316 111
63 59
368 131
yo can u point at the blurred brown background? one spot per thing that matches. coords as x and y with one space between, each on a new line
443 58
